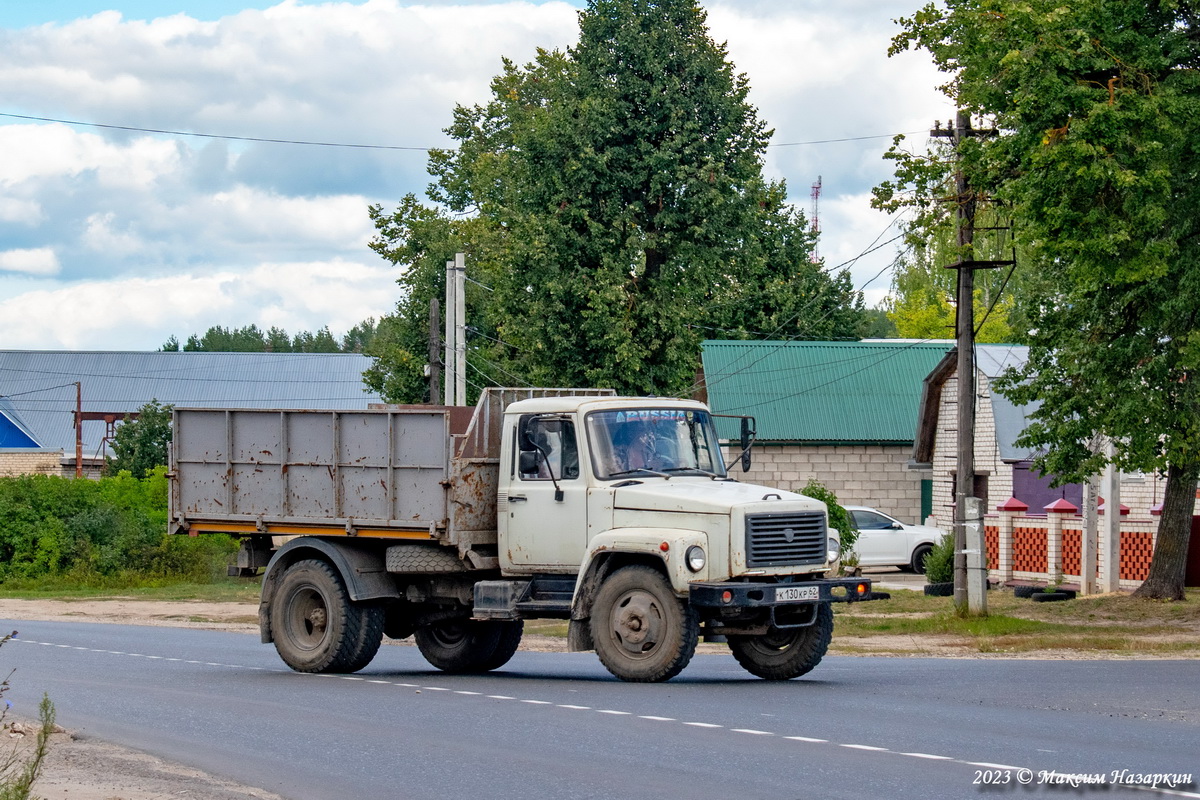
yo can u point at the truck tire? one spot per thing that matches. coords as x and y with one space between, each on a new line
315 625
642 632
917 564
785 653
469 646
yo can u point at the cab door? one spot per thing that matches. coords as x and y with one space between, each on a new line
543 521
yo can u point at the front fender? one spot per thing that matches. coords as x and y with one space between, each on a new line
665 545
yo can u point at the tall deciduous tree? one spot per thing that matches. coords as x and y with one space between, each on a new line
612 200
141 444
1098 104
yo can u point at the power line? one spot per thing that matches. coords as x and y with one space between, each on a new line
166 132
871 248
847 139
350 145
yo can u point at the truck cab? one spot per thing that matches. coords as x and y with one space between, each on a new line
588 487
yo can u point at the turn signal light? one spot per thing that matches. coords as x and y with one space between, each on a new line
664 547
726 596
862 588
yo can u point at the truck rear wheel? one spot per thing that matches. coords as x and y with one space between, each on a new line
642 632
315 625
785 653
465 645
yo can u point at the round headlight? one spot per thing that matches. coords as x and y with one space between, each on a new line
835 548
694 558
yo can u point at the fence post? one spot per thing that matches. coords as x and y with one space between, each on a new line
1054 520
1009 510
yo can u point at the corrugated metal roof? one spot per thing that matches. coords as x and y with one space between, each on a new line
40 386
821 391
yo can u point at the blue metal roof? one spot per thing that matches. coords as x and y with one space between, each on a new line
38 387
814 392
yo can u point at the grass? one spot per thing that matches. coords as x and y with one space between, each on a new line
910 622
224 590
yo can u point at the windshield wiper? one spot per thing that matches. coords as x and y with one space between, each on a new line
638 471
692 471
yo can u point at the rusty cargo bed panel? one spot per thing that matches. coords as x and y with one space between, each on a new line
427 472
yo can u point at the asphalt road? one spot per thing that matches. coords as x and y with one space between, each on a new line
555 725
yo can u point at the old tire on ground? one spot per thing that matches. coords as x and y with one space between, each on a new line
783 654
917 563
315 625
1050 597
642 632
1025 592
939 589
466 646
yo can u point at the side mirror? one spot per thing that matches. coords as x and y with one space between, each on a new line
528 462
747 439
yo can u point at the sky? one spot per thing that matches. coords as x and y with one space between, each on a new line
117 239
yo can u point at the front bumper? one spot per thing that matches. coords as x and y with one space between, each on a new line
768 595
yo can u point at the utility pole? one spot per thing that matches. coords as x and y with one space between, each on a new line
456 331
460 334
435 344
970 555
79 429
448 339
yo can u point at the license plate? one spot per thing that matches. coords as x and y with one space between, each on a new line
793 594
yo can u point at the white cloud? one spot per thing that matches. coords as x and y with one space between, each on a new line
24 212
58 151
141 313
36 261
258 232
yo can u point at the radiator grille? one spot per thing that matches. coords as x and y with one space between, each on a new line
776 540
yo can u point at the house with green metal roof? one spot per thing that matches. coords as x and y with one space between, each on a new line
844 413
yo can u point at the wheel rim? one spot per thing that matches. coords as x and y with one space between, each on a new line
307 618
450 634
636 623
776 641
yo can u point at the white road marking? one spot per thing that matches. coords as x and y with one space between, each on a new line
927 755
468 693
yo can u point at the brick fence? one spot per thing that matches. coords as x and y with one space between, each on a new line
1046 548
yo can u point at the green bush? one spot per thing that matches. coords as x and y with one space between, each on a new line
108 532
839 518
939 564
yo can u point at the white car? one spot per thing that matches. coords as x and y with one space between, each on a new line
885 541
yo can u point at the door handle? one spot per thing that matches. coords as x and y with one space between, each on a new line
517 498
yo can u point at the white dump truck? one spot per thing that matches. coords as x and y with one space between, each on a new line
454 526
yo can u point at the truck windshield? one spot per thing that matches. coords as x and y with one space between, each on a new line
653 441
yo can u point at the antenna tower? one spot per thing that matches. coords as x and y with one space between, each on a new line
815 225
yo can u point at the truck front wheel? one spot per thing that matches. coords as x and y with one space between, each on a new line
466 646
785 653
315 625
642 632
